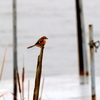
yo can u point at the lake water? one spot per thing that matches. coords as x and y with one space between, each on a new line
55 19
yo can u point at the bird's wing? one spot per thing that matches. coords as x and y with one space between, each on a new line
39 41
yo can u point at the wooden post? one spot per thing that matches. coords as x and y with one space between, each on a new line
91 43
81 42
14 50
38 75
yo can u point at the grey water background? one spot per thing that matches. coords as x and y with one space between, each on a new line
55 19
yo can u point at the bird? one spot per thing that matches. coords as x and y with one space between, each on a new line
40 43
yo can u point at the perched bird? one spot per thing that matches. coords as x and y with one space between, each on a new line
40 43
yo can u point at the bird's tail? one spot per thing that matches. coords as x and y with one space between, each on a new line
30 46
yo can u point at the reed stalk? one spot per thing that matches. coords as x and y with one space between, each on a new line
19 85
28 89
3 62
23 74
38 75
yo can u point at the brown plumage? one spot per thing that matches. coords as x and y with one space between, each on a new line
40 43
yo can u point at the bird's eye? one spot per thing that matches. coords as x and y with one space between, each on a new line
46 38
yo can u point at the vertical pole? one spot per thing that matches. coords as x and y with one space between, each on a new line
81 41
28 89
92 62
14 50
38 75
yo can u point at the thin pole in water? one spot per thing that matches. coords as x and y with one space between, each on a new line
14 50
81 42
92 44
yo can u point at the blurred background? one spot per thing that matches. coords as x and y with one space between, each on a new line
55 19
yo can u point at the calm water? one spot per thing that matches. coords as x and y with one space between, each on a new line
55 19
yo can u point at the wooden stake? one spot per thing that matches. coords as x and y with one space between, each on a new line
82 51
15 69
91 43
38 75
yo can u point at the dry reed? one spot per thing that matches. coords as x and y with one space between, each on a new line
28 89
19 84
23 74
38 75
2 95
3 62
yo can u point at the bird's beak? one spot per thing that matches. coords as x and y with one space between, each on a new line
46 38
